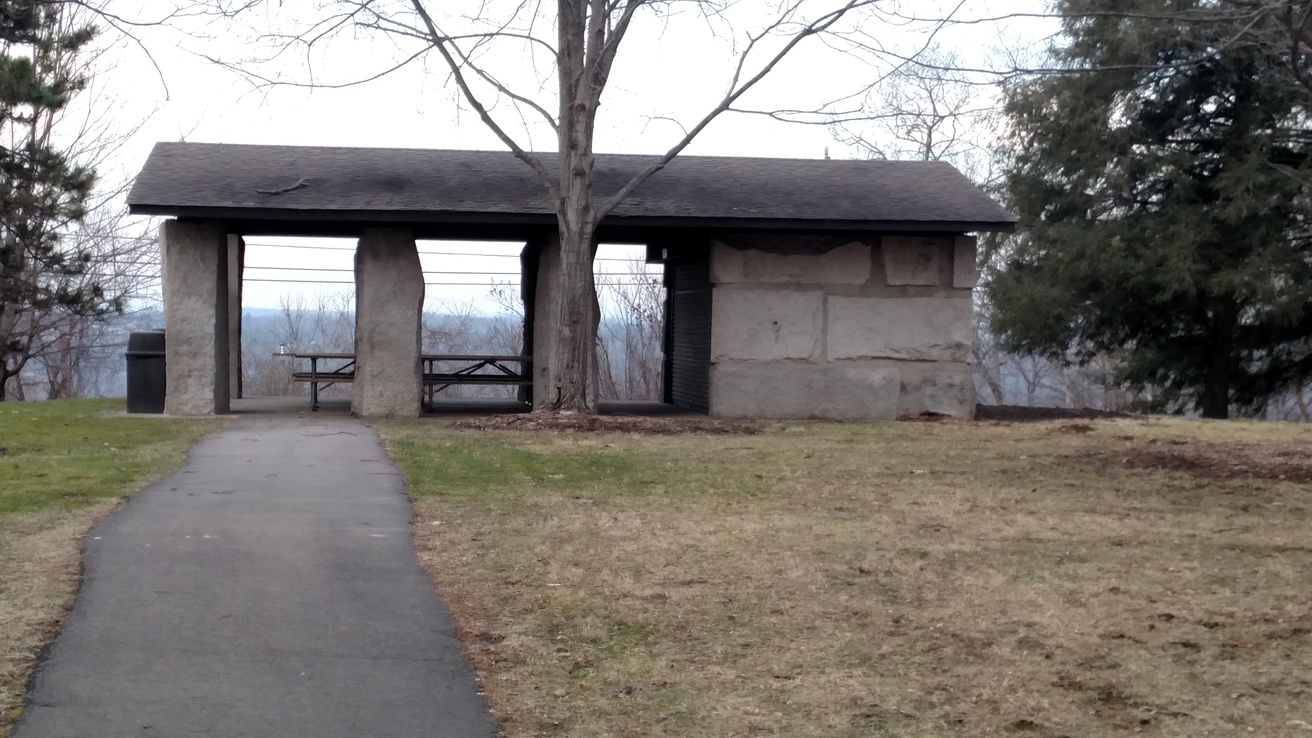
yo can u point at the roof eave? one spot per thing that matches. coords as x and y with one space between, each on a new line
289 216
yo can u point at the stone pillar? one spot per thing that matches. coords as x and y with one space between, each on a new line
528 290
195 269
546 300
389 303
236 265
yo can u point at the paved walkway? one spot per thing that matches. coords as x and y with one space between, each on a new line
266 588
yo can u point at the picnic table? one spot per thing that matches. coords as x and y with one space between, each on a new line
439 371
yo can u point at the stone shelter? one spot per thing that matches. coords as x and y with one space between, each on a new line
836 289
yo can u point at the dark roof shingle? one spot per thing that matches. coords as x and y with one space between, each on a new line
198 179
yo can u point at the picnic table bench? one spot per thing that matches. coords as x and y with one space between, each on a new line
479 369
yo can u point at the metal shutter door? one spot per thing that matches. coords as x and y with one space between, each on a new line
690 334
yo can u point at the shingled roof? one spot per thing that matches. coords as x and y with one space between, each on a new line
295 183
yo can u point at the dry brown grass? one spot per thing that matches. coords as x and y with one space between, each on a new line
42 561
915 579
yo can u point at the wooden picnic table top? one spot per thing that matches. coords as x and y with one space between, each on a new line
315 355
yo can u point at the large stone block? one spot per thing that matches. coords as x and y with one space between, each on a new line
389 301
949 393
912 260
910 328
766 325
845 264
800 391
965 266
195 260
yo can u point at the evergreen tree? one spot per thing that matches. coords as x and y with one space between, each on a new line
42 192
1162 194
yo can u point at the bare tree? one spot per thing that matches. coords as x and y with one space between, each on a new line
631 335
75 351
459 328
932 110
450 330
1284 26
325 324
506 334
1300 402
988 361
65 295
572 48
630 343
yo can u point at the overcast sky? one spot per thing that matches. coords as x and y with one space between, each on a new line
672 67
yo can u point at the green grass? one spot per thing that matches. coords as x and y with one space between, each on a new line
64 464
474 465
67 454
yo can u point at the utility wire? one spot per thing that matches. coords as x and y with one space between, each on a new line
110 275
156 261
435 271
444 284
651 278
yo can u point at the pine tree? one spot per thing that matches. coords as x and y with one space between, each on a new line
42 192
1162 194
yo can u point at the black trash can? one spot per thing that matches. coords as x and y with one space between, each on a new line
146 379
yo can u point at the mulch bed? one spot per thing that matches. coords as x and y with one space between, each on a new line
1289 462
1020 414
579 423
648 425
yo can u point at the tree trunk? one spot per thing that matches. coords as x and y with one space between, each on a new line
1215 400
1300 400
574 345
575 339
8 327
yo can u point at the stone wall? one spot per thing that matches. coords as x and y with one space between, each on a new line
841 328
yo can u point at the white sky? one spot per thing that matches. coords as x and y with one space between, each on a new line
673 68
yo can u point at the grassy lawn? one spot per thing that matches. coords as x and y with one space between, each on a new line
63 465
1141 576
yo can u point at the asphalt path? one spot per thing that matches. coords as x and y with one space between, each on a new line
267 588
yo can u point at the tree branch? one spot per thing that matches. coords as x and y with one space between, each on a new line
439 42
735 92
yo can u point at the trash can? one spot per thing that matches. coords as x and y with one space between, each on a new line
146 379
